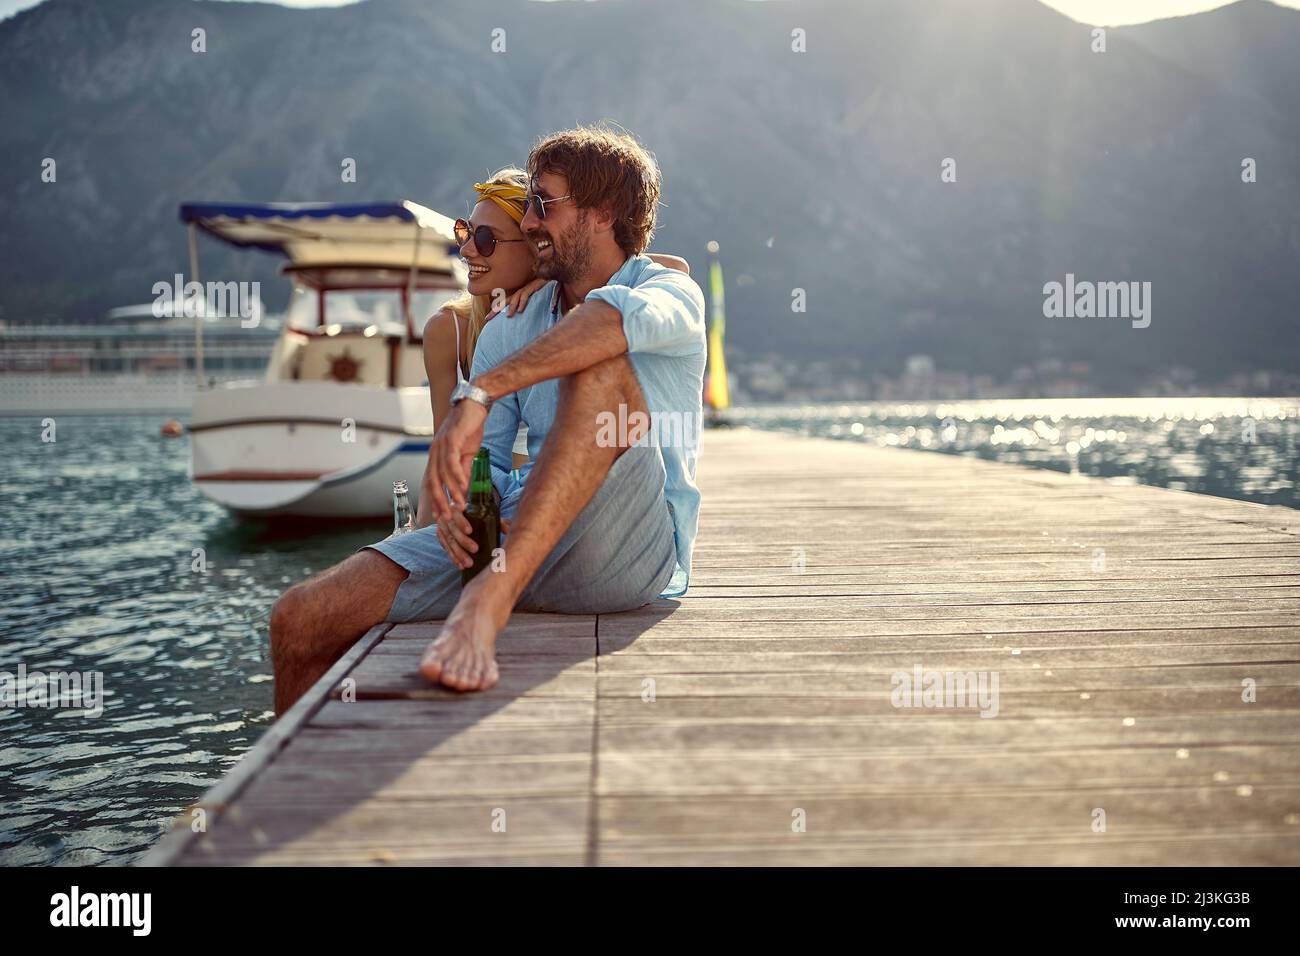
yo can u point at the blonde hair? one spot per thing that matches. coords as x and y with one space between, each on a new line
474 309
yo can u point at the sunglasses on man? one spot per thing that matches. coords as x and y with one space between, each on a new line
538 205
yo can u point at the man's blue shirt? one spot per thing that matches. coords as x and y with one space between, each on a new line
663 321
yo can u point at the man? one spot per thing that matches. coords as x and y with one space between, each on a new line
596 525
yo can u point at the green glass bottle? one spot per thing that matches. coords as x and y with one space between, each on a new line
484 516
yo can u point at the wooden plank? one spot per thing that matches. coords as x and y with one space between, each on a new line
1224 848
968 777
625 633
750 641
454 711
397 675
1013 815
803 684
869 730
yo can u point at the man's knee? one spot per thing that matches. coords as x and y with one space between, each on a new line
286 621
611 388
612 376
349 596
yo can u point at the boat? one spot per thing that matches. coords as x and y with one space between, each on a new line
343 408
132 359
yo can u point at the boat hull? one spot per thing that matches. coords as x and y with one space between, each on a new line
308 449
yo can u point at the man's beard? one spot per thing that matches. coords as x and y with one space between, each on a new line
570 257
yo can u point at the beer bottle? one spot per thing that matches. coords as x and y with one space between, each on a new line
484 516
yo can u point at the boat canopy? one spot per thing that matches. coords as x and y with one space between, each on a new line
378 235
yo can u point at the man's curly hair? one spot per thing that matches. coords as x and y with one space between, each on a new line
606 169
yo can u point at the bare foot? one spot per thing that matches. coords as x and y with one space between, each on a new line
463 656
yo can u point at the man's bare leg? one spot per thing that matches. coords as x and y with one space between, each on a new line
568 473
315 622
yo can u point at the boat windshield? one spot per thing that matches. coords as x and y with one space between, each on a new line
353 308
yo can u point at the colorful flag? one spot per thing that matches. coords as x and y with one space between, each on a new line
715 383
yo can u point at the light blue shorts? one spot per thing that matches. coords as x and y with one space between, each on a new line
619 554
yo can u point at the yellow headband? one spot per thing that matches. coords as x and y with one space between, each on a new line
507 196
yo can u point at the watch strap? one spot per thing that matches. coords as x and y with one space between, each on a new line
464 390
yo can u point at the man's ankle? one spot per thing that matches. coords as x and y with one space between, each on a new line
494 586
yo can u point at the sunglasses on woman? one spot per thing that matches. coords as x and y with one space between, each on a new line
484 240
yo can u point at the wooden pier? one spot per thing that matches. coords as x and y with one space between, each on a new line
1146 644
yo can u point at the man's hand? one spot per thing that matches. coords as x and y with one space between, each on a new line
451 454
455 536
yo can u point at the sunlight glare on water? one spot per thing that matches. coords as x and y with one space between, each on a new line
1233 447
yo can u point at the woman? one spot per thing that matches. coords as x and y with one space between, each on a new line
507 263
504 261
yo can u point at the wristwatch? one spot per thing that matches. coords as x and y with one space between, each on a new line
465 390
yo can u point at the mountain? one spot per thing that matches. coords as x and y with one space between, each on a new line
1249 46
816 170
